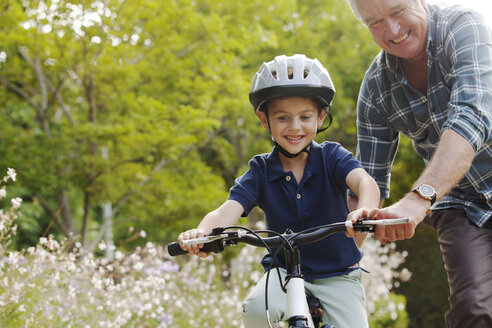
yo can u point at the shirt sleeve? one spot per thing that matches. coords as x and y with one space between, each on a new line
342 163
377 142
246 189
468 46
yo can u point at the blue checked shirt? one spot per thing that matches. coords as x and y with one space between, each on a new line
459 97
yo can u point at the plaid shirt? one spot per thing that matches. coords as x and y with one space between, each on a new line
459 97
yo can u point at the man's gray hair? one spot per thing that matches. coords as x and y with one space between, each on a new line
355 9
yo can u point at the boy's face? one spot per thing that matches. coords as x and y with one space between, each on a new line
293 122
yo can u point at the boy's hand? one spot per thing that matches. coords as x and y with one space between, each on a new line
359 214
192 249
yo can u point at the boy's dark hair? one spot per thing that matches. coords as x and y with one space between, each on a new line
320 104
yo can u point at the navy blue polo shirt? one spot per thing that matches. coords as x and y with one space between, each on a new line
320 198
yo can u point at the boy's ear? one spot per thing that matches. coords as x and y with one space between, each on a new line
321 117
263 118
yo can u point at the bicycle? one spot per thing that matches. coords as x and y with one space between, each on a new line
289 241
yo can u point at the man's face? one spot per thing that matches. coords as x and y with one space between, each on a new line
398 26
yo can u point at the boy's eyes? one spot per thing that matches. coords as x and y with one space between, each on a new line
303 117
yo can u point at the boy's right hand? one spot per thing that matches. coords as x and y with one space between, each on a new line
192 249
359 214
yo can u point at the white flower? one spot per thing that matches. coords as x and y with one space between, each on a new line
3 192
102 246
16 202
138 266
118 255
143 234
10 174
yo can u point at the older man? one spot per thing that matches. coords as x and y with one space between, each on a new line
432 81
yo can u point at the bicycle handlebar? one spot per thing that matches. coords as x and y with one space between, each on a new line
219 238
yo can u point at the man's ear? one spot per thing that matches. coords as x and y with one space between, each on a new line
263 118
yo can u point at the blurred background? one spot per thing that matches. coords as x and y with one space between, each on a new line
133 115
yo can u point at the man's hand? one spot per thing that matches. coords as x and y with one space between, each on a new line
411 206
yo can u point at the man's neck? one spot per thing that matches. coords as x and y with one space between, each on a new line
415 71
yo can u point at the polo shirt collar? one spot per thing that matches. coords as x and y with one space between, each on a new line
313 165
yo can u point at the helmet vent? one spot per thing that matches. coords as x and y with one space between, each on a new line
307 68
291 76
290 73
290 67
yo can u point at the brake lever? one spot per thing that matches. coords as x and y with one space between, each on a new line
370 225
214 236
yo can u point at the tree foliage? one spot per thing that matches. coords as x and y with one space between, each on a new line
143 104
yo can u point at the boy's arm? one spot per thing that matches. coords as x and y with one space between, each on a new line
226 214
367 191
352 203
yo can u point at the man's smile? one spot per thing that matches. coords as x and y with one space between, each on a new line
402 38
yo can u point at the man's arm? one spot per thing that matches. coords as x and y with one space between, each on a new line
451 160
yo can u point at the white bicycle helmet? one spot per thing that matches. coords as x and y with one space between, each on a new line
288 76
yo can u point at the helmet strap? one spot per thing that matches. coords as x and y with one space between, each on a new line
290 155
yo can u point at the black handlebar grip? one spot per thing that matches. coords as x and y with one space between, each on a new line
216 246
174 249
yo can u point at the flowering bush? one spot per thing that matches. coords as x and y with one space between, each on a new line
7 226
59 284
384 308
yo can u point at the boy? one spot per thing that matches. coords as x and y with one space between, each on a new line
299 185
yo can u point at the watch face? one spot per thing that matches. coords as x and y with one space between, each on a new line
426 190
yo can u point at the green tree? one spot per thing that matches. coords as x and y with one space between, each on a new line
143 104
107 102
